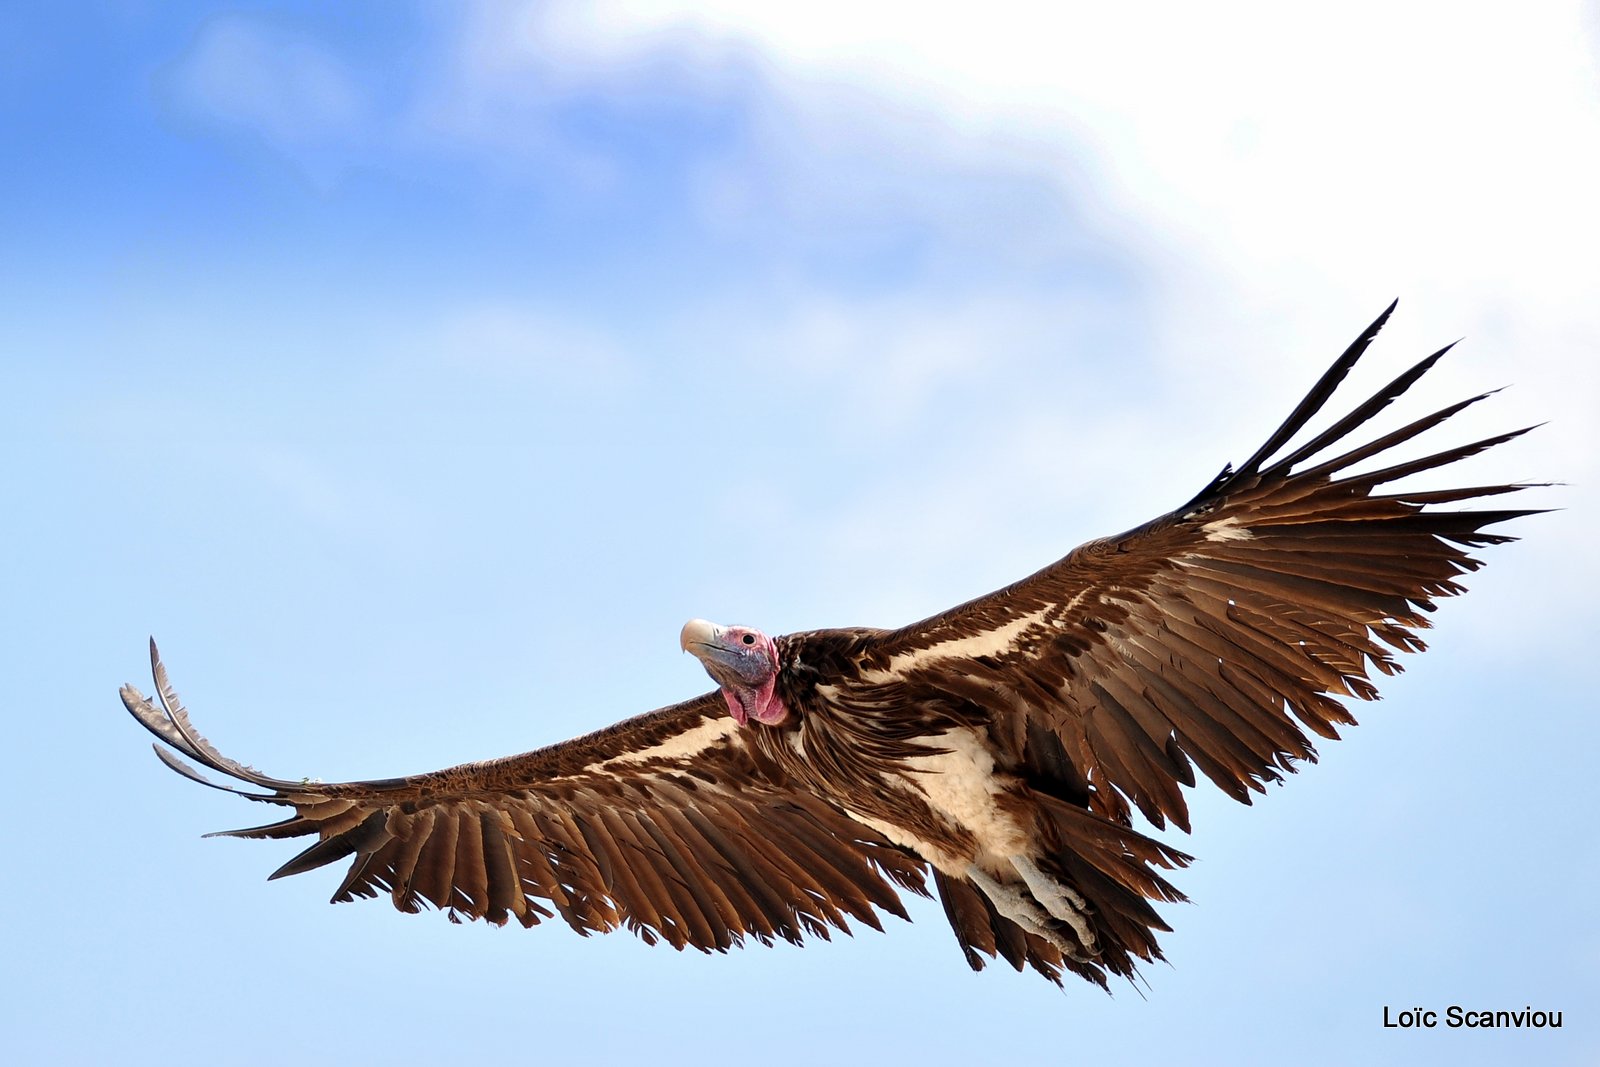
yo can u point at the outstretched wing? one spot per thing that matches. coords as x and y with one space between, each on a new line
1217 631
664 823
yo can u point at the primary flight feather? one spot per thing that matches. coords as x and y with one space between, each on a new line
1000 746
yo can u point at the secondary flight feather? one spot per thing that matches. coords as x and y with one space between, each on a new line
999 749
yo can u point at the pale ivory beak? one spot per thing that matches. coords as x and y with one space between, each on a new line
698 632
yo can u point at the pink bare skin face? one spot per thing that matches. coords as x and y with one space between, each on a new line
744 664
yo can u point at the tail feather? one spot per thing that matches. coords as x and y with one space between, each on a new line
1112 868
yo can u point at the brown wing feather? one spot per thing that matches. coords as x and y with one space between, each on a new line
1221 632
663 823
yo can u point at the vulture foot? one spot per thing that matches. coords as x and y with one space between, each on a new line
1018 905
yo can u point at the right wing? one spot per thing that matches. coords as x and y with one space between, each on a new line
1218 634
664 823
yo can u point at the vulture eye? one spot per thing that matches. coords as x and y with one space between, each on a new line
749 639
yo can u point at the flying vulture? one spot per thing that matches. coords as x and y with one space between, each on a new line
1000 747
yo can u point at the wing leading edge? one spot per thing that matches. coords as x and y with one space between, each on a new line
1218 634
663 823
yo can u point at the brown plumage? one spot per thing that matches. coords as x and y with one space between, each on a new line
1002 745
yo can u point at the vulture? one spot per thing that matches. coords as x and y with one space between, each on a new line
998 749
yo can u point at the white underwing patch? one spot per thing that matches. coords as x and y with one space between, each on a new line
905 839
1226 529
985 643
682 746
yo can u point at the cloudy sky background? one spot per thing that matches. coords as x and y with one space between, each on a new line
413 371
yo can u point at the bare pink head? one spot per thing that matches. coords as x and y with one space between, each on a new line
744 664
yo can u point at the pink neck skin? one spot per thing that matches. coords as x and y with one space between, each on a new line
761 704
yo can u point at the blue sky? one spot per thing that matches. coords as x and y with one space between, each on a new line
413 371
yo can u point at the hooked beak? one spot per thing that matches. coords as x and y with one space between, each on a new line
698 634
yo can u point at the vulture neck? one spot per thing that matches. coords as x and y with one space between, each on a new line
760 703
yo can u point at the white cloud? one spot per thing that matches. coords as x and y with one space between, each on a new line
1272 167
1269 176
1380 138
1276 173
281 84
881 359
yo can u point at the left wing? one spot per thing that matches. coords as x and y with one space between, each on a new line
1207 633
665 823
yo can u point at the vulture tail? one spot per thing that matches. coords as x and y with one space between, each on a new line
1110 868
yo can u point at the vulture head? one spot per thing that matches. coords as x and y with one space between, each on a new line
744 664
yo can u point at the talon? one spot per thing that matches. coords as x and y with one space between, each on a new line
1059 899
1016 905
